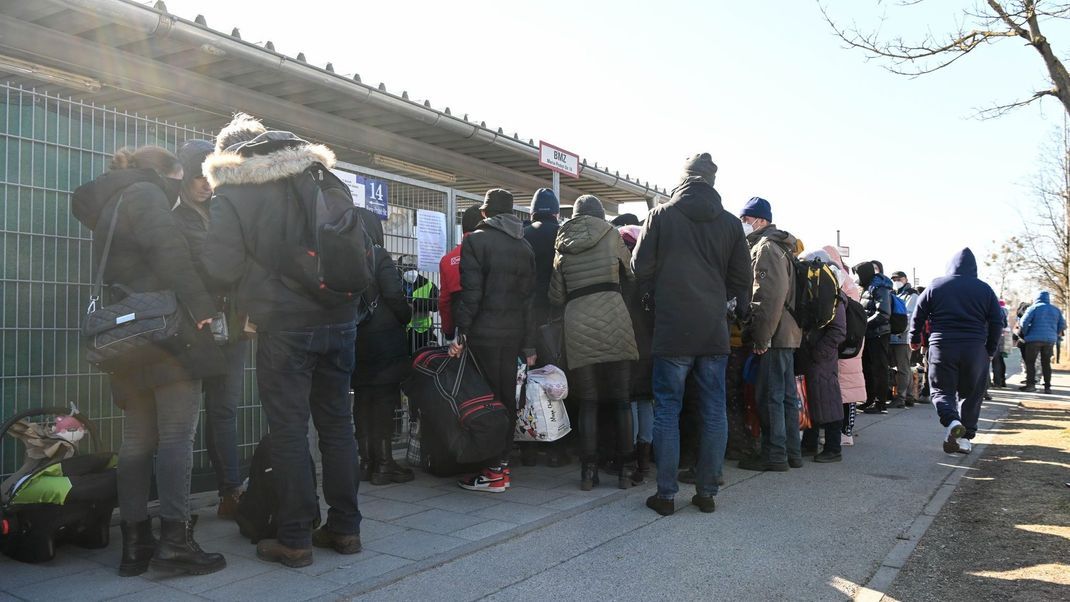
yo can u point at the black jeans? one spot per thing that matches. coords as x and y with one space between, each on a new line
875 369
222 396
1029 354
999 370
607 383
498 365
301 373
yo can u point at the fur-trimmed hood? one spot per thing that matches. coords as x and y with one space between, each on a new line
230 167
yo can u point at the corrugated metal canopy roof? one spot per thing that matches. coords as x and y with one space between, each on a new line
154 63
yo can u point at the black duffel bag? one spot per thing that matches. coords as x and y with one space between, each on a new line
119 332
455 401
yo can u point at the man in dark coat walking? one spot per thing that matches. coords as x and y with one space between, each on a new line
691 258
966 324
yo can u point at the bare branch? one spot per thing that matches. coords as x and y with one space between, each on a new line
1000 110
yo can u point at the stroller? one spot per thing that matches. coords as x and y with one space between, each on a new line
57 495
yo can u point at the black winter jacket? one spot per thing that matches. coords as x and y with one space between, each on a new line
382 347
255 225
541 235
149 253
497 285
692 257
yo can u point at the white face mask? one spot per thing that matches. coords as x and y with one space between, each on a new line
747 229
898 285
410 276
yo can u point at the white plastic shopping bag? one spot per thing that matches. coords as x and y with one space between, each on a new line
543 417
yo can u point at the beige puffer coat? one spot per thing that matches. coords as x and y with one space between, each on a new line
597 326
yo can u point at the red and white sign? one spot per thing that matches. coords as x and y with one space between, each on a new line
559 160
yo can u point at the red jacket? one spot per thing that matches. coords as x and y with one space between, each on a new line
449 269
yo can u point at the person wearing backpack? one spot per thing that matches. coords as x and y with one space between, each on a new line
825 398
494 316
273 195
382 363
899 343
965 321
852 379
775 335
877 299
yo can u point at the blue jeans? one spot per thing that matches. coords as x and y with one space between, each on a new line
778 405
222 395
670 374
300 373
958 377
643 419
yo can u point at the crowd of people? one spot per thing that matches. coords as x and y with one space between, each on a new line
683 341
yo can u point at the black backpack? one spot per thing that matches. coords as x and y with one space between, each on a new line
259 504
334 258
816 294
857 320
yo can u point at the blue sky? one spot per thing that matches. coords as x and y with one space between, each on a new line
899 165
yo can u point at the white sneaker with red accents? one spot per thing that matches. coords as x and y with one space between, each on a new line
489 479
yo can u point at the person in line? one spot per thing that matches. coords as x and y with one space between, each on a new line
899 345
494 317
222 394
159 391
541 234
1041 328
965 321
999 360
423 295
690 260
775 335
641 386
822 351
382 363
449 270
877 300
590 263
305 352
852 380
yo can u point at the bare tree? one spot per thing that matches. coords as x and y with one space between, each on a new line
990 22
1043 247
1005 268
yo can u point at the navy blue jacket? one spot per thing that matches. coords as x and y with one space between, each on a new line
962 309
1042 322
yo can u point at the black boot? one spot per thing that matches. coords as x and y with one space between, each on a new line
362 414
588 475
624 480
178 552
138 547
386 470
642 463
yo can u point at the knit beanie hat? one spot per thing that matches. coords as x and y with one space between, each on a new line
497 201
470 219
192 155
758 207
545 201
701 165
589 204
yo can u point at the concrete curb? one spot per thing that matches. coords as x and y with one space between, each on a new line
889 568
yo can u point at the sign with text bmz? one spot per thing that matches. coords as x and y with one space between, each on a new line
558 159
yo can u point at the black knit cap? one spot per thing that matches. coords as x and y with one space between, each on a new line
470 219
496 201
701 165
192 155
